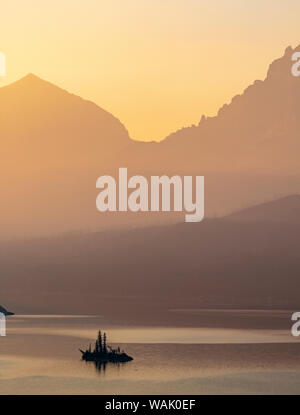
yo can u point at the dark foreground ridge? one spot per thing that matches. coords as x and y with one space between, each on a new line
104 353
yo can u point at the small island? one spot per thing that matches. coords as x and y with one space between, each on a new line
5 312
104 353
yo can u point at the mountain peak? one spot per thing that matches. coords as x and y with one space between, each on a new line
51 121
32 82
281 67
31 76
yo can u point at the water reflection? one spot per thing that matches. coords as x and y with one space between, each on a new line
101 366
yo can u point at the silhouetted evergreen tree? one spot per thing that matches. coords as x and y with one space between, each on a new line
104 343
100 342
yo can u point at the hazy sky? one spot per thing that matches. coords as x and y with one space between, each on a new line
157 65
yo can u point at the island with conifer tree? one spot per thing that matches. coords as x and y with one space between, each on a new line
104 353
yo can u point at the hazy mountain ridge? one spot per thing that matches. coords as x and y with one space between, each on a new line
56 121
219 261
283 210
267 111
54 145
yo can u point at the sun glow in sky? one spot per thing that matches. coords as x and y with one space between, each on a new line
157 65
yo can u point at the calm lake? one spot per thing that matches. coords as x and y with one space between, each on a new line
40 355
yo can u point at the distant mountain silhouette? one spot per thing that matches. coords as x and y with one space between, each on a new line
218 262
5 312
54 145
55 127
248 152
258 131
286 209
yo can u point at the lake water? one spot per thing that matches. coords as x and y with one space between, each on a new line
40 355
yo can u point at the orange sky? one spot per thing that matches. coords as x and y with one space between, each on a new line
156 65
